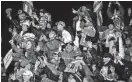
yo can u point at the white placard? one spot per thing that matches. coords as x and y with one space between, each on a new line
8 59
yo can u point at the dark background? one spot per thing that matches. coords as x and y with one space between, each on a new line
60 10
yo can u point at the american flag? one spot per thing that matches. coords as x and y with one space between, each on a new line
28 7
97 6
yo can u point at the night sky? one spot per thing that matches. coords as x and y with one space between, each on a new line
60 10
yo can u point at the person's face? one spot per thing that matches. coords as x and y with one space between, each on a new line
112 69
69 48
55 59
60 27
84 8
48 16
24 27
22 16
42 23
128 41
28 66
111 32
118 34
41 14
23 44
94 67
131 22
106 59
28 45
26 77
82 24
129 11
89 43
71 78
75 18
111 26
118 13
52 35
114 50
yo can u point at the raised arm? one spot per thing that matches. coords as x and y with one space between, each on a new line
121 9
109 13
14 47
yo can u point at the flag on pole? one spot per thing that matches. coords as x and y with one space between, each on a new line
97 6
28 7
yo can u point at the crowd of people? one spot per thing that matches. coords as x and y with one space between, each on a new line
45 51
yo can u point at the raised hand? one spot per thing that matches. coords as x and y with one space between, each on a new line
109 4
74 11
8 12
117 3
13 77
11 42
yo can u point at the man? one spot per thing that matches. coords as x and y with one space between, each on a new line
66 36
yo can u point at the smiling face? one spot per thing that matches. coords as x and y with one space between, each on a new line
28 45
24 27
106 59
41 14
89 44
111 26
60 25
42 23
69 48
54 59
26 78
52 35
112 69
22 16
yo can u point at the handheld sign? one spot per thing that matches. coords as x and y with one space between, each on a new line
8 59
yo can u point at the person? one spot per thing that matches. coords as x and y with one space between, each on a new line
46 53
66 36
27 75
117 16
128 16
68 53
108 65
52 44
15 23
130 79
52 67
25 53
86 23
96 73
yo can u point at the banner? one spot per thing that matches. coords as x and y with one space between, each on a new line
97 6
8 59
